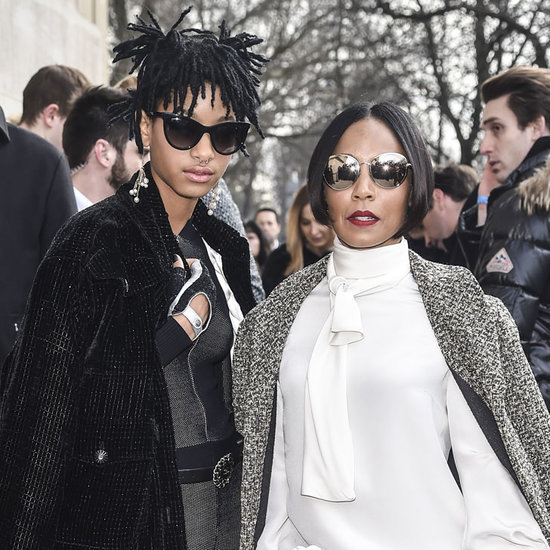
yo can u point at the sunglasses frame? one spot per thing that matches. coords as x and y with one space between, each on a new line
408 166
167 117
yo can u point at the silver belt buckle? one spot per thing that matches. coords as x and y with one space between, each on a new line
222 470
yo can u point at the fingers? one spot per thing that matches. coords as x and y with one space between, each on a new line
179 262
201 305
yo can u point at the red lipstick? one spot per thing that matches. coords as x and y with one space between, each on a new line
363 218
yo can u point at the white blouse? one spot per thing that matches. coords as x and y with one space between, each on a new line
406 413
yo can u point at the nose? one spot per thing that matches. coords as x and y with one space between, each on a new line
316 229
486 146
203 151
364 187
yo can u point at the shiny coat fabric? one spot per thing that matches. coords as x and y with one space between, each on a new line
480 343
514 259
88 454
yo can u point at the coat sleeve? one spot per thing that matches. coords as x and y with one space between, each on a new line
38 394
60 203
529 417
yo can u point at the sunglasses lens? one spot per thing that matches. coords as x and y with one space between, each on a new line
228 137
182 133
389 169
341 172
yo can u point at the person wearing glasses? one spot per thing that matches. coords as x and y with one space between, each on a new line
116 420
385 401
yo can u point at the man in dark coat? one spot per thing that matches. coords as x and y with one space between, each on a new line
514 256
37 198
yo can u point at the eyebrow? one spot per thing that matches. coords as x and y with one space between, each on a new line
230 118
490 120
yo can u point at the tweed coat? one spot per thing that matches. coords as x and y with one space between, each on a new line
480 343
88 452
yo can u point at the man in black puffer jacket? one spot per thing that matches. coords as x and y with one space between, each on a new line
514 255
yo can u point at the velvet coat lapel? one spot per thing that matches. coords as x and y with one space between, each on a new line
479 342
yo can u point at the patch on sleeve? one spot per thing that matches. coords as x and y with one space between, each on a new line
500 263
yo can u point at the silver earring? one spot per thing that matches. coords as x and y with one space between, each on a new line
141 181
214 198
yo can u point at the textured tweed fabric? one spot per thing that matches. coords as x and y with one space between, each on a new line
88 450
480 343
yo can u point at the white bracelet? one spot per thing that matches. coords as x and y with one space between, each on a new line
194 318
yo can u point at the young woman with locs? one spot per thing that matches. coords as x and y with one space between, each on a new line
116 418
386 401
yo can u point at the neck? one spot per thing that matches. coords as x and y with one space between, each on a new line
93 185
34 128
179 208
356 263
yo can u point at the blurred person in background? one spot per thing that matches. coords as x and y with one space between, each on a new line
47 100
453 184
267 220
37 200
101 155
307 241
257 242
514 253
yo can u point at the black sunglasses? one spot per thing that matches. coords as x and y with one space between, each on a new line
184 133
387 170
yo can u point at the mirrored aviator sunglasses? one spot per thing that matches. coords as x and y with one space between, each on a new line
387 170
184 133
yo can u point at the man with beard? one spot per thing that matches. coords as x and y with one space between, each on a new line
100 155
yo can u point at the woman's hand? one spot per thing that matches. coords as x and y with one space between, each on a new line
197 292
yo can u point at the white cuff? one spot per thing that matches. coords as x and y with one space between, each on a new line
194 318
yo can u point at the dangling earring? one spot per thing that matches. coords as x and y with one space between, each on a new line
215 197
141 180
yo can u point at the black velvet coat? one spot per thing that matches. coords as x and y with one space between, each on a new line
86 434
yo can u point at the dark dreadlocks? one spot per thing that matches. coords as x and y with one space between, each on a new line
179 62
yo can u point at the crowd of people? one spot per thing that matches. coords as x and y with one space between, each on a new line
376 374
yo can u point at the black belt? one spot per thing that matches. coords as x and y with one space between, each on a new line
211 461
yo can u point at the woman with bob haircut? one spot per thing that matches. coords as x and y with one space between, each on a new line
307 241
385 401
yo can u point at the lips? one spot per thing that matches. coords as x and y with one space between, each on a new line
363 218
199 174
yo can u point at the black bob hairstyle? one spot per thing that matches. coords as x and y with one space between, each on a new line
182 62
408 135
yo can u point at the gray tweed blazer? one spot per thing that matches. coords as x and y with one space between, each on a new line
480 343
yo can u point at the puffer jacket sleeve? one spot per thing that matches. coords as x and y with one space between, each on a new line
38 388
